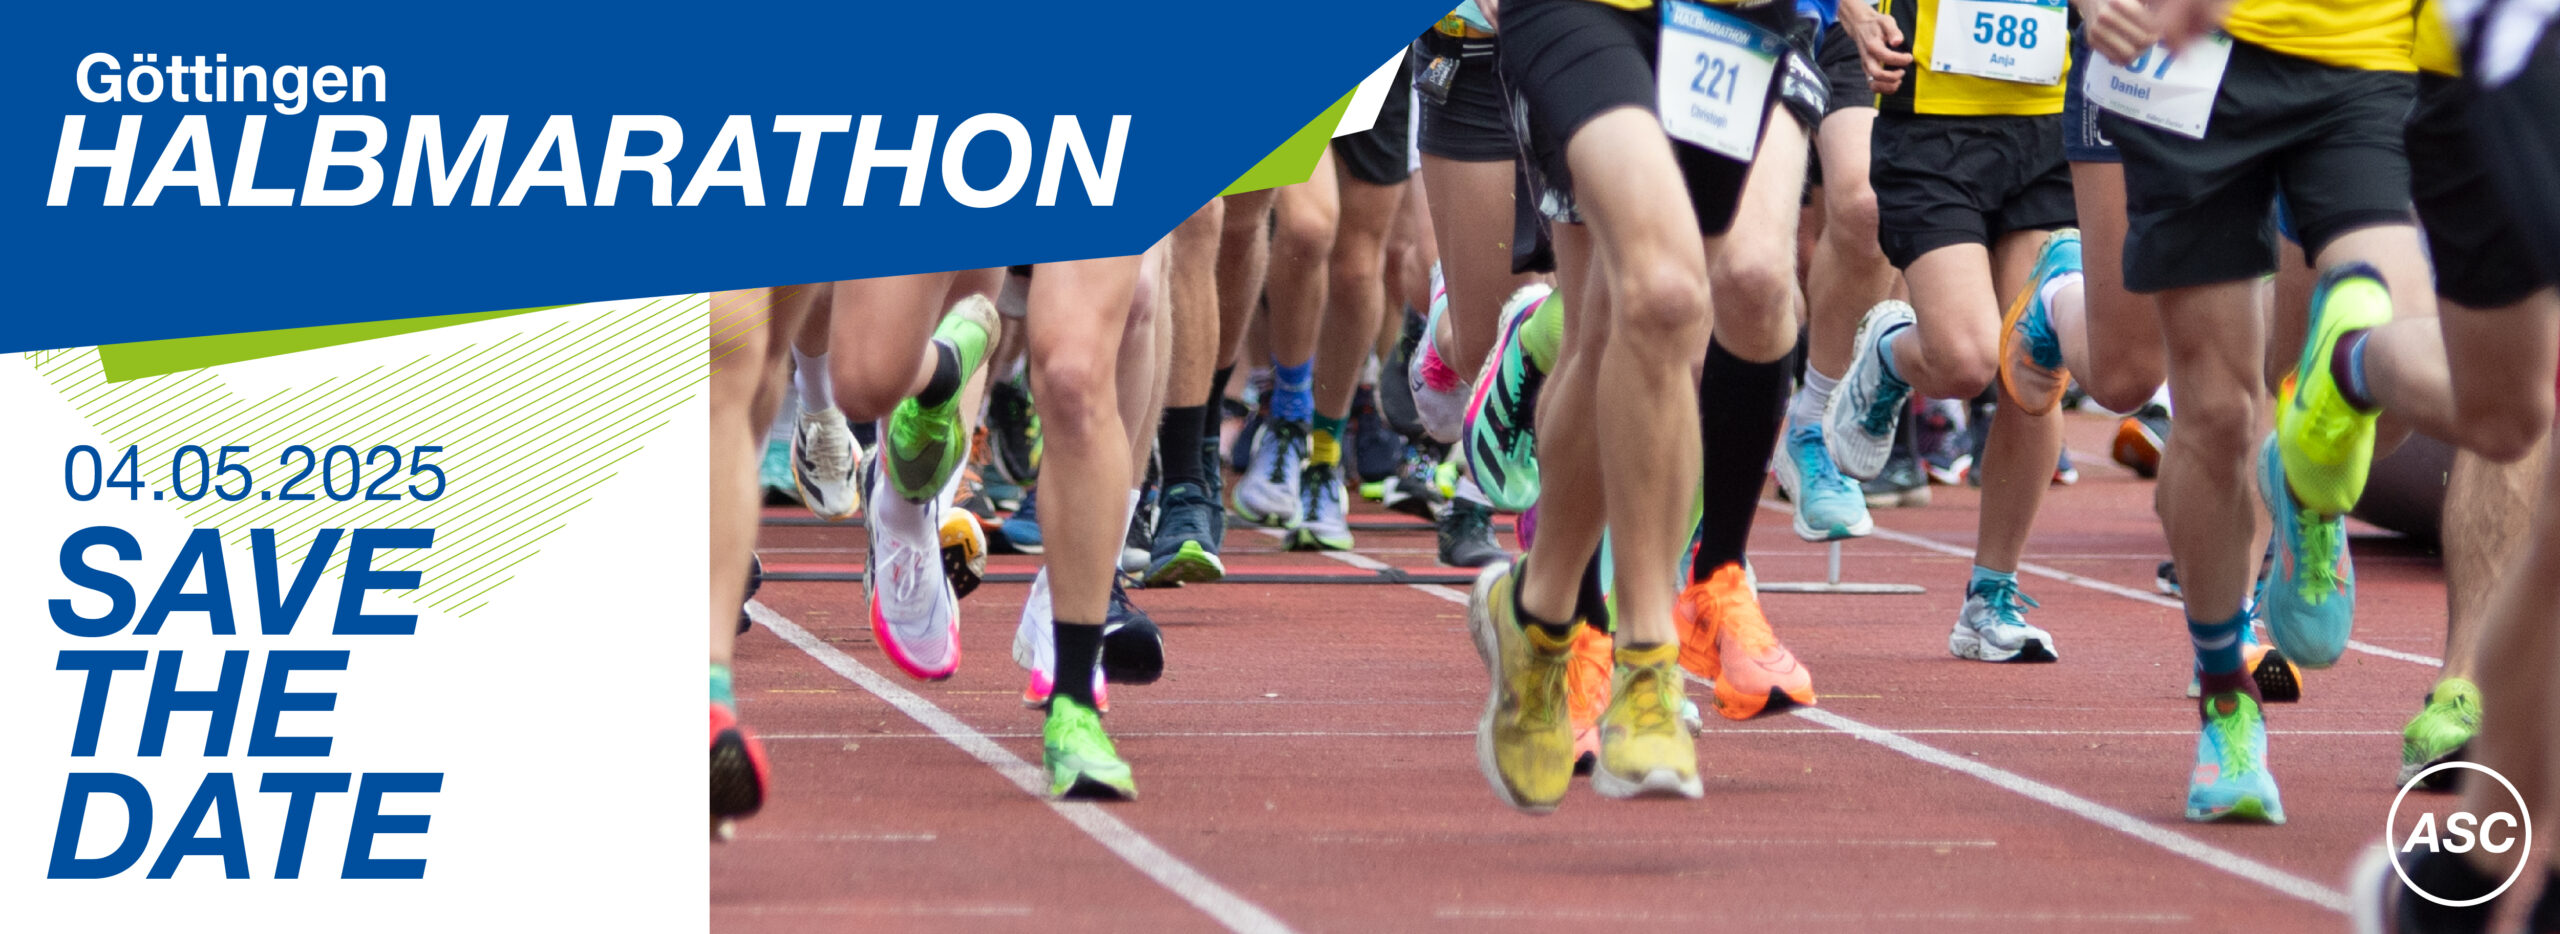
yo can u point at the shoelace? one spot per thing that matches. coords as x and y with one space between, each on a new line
832 460
1885 407
906 577
2317 571
1284 439
1814 467
1649 698
2238 755
1543 700
2008 604
1315 492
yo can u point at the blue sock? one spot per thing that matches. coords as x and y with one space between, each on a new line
1884 353
2218 644
1293 392
1982 575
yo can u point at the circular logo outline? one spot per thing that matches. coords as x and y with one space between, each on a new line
2391 835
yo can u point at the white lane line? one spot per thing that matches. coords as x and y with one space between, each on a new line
1230 910
2130 593
2110 818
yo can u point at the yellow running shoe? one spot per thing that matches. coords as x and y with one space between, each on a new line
2327 444
1524 743
1586 687
1644 752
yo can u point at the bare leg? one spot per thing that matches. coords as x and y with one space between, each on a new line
1244 261
1355 297
1079 312
2103 314
1472 220
1848 273
1308 213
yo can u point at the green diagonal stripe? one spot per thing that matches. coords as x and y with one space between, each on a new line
177 355
1295 160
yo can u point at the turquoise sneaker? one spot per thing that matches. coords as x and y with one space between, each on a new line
2310 605
2030 355
1829 507
2231 781
1079 756
1500 437
925 444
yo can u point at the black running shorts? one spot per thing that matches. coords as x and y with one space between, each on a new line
1942 181
2330 138
2511 124
2479 254
1471 125
1383 153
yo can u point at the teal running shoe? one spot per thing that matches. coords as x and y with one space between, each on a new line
2231 781
1081 762
1859 423
1501 435
2310 605
925 444
2030 355
1829 507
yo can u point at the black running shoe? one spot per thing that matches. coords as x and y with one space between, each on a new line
1376 449
1466 535
1185 550
1132 646
1013 432
1395 392
1415 488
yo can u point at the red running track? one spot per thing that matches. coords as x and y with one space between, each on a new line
1307 761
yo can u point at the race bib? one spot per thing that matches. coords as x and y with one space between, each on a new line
2170 90
2011 40
1713 78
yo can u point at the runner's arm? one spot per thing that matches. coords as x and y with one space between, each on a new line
1876 35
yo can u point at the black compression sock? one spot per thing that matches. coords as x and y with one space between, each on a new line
1217 394
1079 650
1742 406
1178 436
946 376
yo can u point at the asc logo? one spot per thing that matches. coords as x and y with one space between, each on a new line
2460 832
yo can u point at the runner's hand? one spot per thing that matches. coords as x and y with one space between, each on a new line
2121 30
1876 35
2185 21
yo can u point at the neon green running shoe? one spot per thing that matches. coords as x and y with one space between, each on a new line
926 444
1081 762
2440 733
2327 444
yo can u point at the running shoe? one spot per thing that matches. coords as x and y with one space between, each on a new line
1324 514
1466 535
774 472
914 615
1414 490
1022 529
1184 551
1828 506
1375 451
1946 452
2030 355
755 582
2279 682
2140 439
1138 547
1644 752
964 551
973 497
740 775
1524 740
1904 484
1725 638
2231 780
1035 648
1993 626
2065 473
2326 443
1586 688
2310 604
826 464
1440 391
1081 761
1013 431
2440 733
925 444
1395 383
1858 424
2165 579
1213 484
1268 493
1132 646
1501 435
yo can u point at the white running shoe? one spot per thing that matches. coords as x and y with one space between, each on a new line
914 613
1994 627
826 464
1267 494
1035 649
1440 390
1859 422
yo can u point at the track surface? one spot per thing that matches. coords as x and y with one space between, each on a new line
1307 762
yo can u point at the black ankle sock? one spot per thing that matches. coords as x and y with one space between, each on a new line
1178 436
1079 649
946 376
1742 406
2448 876
1218 388
1556 631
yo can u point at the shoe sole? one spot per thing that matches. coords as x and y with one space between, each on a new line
2008 363
1301 539
1191 565
1844 425
2246 810
1480 623
2137 448
1740 705
1089 789
1971 647
2445 781
1656 783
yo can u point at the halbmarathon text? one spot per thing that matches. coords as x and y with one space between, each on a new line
982 161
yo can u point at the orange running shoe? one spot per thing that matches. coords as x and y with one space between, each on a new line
1586 693
1725 639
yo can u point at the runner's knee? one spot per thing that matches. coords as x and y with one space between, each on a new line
1754 295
